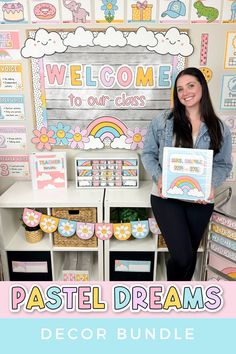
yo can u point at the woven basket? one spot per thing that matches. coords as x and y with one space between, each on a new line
33 236
79 215
161 242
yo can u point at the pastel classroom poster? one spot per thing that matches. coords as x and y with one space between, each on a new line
44 11
11 77
76 11
187 173
16 166
14 12
207 11
111 11
230 51
12 137
173 11
10 45
228 92
142 11
12 107
232 176
48 170
229 11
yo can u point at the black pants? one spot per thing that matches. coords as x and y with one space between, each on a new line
182 225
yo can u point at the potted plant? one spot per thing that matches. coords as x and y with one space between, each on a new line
32 234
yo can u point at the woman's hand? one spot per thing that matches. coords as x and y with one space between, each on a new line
209 199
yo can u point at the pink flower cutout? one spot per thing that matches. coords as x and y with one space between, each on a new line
135 137
79 138
43 138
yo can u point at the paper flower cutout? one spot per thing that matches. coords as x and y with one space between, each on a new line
85 230
103 231
43 138
154 228
61 133
66 227
122 231
79 137
136 137
31 217
48 223
140 229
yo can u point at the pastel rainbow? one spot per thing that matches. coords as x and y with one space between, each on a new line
106 127
185 183
230 271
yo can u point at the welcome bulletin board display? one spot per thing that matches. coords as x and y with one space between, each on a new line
94 88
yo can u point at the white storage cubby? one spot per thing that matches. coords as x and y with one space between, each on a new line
13 244
116 170
136 249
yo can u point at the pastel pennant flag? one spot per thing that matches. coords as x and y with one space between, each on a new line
48 223
140 229
103 231
85 230
153 226
66 227
122 231
31 217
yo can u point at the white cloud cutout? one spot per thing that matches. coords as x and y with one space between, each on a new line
59 180
44 43
195 193
49 186
175 190
44 177
173 42
122 268
79 38
119 143
111 37
94 143
142 38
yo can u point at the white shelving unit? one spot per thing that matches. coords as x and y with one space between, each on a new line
139 198
21 195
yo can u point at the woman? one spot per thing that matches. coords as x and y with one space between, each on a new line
192 123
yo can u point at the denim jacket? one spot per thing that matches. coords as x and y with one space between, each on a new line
160 134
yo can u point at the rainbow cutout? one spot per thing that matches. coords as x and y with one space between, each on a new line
185 183
106 127
230 271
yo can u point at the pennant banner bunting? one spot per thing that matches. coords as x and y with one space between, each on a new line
31 217
66 228
48 223
140 229
122 231
103 231
85 230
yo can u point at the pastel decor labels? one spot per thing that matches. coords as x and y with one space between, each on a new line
48 223
31 217
103 231
140 229
85 230
122 231
154 228
66 227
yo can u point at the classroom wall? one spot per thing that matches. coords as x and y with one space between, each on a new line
215 61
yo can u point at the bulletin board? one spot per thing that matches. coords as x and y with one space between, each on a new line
97 89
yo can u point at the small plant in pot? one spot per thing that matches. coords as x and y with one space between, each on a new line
33 234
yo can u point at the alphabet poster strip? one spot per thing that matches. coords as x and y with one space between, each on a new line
10 45
12 137
11 77
14 12
81 13
230 51
12 107
14 166
173 11
228 92
45 12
